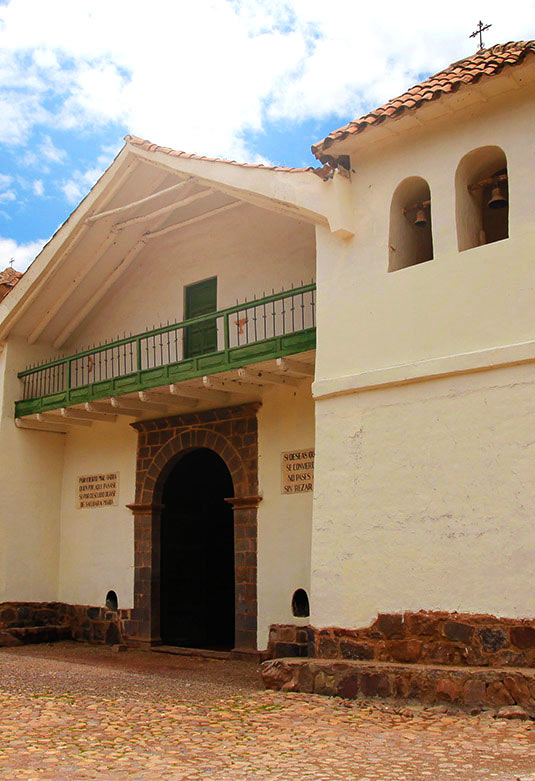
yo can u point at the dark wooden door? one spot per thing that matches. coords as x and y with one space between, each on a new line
197 554
201 299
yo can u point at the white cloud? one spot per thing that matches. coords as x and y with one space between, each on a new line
198 76
6 193
38 188
82 181
51 152
72 190
22 254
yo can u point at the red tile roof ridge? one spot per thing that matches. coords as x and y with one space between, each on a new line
10 276
148 146
485 62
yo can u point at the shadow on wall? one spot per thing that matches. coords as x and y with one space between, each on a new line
411 237
482 198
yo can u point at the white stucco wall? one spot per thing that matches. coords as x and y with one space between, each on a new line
249 250
424 499
458 302
97 544
96 551
91 550
285 423
424 496
31 466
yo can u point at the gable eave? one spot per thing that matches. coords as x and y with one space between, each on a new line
61 243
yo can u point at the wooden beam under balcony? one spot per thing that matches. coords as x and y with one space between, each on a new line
215 383
49 417
202 394
285 365
266 378
166 399
119 403
102 406
82 414
32 424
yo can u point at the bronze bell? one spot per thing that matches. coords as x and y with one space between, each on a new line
421 219
497 199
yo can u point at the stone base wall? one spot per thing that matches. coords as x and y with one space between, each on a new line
473 689
288 640
433 638
34 622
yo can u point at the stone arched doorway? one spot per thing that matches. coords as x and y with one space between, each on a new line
197 573
231 433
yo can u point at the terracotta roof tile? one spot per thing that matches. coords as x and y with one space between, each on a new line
9 276
485 62
150 147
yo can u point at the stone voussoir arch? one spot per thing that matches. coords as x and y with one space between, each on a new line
232 433
196 437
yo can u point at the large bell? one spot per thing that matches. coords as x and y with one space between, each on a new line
497 199
421 219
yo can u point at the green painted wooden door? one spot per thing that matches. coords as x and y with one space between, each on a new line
201 299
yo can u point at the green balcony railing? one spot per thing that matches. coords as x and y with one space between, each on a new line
273 326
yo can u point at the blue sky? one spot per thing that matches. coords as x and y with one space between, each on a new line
256 80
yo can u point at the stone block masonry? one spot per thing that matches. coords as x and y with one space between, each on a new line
431 638
466 687
288 640
232 433
466 660
23 623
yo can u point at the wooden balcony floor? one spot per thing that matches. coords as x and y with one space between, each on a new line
252 345
208 391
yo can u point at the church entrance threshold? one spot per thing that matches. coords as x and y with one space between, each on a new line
197 591
201 653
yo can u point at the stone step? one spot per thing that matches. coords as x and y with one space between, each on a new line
464 687
26 635
204 653
207 653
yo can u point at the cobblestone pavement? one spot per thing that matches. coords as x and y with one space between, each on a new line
76 712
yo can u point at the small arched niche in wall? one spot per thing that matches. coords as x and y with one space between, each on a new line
482 198
300 604
112 602
411 237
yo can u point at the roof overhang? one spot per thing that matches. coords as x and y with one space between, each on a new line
146 193
361 135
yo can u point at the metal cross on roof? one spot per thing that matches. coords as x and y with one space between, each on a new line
480 30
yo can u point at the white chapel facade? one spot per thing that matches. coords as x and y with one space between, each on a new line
235 397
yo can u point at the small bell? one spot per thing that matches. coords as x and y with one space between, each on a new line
497 199
421 219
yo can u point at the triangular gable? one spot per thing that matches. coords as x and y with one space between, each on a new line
144 181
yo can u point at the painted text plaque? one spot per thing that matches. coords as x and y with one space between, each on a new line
298 471
100 489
